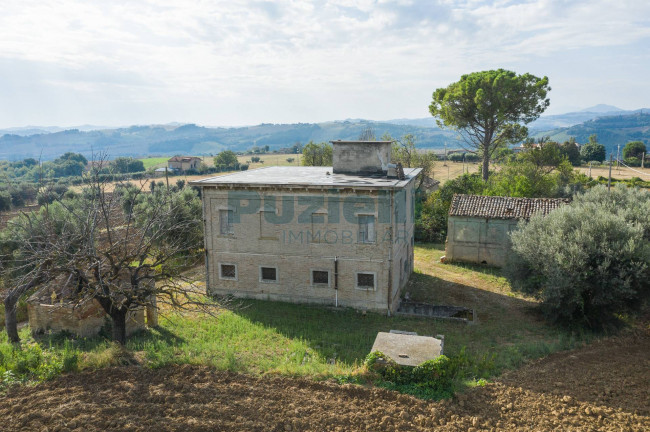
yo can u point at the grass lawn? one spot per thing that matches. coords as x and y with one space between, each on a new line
270 337
154 162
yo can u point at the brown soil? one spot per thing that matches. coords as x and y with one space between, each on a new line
605 386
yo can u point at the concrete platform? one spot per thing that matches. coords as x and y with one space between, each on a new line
408 349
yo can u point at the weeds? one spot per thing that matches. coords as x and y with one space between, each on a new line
318 342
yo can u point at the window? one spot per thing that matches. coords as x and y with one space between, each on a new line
366 228
365 281
268 274
228 271
320 277
225 222
267 229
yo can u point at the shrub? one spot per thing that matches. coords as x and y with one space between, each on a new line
5 200
586 261
433 379
255 159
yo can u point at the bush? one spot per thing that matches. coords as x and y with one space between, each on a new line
587 261
633 161
432 223
243 167
5 200
467 157
255 159
433 379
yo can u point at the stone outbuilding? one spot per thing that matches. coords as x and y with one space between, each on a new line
51 308
338 235
478 228
184 163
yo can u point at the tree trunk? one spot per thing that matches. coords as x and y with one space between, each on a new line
11 323
119 325
486 165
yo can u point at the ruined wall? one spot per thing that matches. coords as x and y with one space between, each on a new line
83 320
479 240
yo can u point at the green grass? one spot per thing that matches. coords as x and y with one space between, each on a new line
270 159
154 162
261 337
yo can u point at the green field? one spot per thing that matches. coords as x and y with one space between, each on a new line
270 159
261 337
154 162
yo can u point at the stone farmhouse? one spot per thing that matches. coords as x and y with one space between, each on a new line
339 235
478 227
184 163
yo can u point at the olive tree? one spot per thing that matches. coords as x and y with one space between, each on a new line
586 261
125 249
490 109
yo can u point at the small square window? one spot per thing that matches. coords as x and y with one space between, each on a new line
320 277
225 222
228 271
268 274
366 281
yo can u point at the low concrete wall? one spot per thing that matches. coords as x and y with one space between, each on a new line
84 320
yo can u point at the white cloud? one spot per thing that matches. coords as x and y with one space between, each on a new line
236 62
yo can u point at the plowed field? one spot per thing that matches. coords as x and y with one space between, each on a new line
605 386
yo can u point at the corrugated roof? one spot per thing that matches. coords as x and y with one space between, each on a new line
499 207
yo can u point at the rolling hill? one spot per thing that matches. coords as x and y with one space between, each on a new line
193 139
611 130
613 127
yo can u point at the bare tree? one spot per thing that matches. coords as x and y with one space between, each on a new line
125 248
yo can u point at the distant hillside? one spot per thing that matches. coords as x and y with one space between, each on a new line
193 139
611 130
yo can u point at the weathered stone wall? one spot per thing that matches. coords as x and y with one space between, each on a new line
305 235
479 240
83 320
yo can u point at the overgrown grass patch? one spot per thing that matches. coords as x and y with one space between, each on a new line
262 337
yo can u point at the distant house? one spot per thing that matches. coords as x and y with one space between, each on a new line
478 227
184 163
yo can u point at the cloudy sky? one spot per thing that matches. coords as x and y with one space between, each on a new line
235 62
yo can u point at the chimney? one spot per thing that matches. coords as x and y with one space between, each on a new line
361 157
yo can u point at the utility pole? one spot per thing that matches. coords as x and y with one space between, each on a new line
609 180
618 159
642 159
589 169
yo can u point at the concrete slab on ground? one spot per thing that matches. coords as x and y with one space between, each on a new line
407 349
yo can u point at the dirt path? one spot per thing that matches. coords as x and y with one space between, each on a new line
602 387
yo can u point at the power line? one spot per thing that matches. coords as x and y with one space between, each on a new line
628 167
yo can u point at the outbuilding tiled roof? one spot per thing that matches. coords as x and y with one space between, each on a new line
499 207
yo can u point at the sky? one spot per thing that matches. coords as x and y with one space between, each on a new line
230 63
